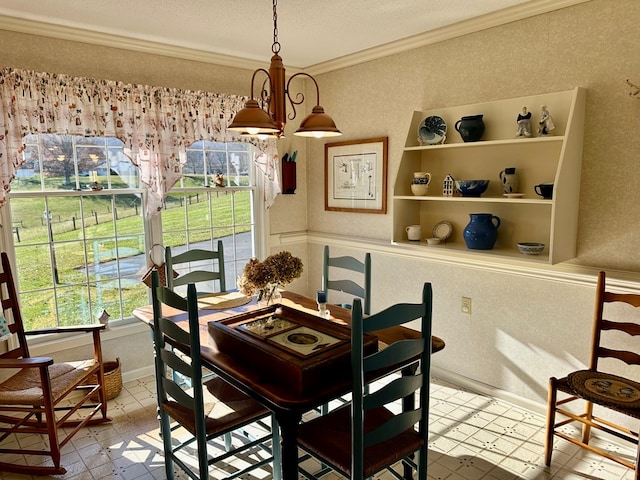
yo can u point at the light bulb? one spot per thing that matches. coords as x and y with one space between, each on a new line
253 130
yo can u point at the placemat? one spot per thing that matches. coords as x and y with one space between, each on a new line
606 388
220 301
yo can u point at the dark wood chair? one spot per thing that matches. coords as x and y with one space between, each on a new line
613 338
364 437
195 272
206 410
44 397
335 276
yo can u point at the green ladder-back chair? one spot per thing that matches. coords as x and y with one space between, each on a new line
198 275
208 410
330 266
364 437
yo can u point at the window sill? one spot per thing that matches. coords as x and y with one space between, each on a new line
50 344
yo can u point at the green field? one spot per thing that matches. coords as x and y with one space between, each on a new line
105 217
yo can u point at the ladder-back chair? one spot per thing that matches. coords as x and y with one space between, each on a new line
43 397
204 269
364 437
334 271
594 386
205 410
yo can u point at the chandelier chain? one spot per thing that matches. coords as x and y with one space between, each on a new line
275 48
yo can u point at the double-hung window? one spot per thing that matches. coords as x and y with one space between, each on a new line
80 239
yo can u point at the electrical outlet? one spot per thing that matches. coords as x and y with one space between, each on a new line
466 305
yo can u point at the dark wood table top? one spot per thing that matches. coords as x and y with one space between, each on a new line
266 387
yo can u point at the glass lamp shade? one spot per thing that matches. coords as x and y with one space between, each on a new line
253 120
318 124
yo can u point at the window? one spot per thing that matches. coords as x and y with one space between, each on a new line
79 236
197 213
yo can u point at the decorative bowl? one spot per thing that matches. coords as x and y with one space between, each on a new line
530 248
472 188
433 241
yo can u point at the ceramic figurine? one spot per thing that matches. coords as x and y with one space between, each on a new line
545 124
218 180
448 186
524 123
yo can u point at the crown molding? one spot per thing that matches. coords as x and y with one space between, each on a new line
466 27
75 34
483 22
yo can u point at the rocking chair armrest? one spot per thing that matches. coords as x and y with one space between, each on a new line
31 362
67 329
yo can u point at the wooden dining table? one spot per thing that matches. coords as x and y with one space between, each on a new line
286 403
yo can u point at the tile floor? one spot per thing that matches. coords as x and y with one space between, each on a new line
471 437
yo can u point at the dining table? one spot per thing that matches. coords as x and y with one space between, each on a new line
267 386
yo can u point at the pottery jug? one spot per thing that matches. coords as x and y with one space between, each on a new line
481 232
509 180
420 183
414 232
470 128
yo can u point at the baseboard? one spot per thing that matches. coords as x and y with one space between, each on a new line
138 373
488 390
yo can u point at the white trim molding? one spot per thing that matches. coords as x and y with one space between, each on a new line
566 272
483 22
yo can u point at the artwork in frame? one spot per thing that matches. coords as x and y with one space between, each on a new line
355 176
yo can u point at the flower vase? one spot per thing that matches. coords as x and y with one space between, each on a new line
269 295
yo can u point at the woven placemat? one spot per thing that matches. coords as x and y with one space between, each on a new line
605 388
221 301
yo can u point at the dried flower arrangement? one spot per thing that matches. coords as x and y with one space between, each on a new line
264 278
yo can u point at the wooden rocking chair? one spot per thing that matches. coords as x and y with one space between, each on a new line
43 397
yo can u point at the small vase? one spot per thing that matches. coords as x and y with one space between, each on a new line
270 295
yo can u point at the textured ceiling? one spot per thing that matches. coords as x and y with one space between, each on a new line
311 32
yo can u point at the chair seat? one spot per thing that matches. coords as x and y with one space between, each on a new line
225 406
25 386
618 393
329 437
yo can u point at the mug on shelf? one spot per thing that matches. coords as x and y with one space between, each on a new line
545 190
414 232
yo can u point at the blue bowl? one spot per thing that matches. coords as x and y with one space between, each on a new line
472 188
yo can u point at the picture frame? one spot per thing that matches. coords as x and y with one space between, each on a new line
355 176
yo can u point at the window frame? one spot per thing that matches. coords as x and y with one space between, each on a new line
152 226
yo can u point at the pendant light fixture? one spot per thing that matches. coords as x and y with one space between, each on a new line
253 119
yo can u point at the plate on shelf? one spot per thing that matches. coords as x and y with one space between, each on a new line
442 230
432 130
513 195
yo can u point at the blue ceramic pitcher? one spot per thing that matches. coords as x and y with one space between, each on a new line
481 232
470 128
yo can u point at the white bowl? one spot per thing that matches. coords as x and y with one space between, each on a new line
433 241
530 248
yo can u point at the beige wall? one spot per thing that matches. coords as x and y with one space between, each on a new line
593 45
525 325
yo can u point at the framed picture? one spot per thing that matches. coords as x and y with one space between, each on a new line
355 176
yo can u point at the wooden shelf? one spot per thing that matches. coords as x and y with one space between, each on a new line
556 158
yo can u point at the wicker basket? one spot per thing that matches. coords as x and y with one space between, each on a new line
112 380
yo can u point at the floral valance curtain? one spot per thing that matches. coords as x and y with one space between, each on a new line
155 124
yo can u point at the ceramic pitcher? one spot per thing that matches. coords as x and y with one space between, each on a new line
420 183
470 128
509 180
481 232
414 232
